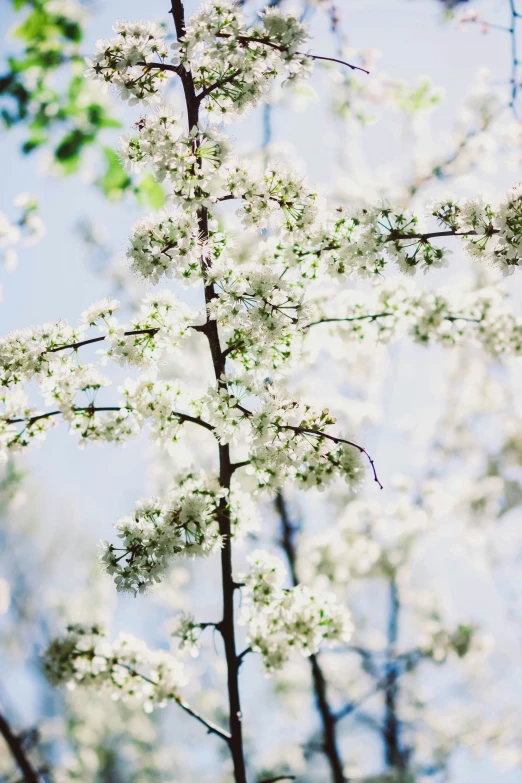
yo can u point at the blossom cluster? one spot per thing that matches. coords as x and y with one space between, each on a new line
185 524
370 539
438 642
289 443
339 244
189 161
155 331
124 669
126 61
26 353
169 242
161 322
278 197
259 311
361 243
49 355
185 628
447 316
165 243
232 64
282 620
287 439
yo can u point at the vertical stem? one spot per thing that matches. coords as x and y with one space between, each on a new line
227 626
514 57
396 756
329 725
30 774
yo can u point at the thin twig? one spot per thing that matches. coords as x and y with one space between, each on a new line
91 410
355 318
267 42
161 67
212 728
220 83
319 434
397 236
335 439
354 705
236 465
80 344
376 316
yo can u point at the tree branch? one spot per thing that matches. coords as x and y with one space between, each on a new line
91 410
396 236
15 745
319 434
373 317
212 728
334 439
354 705
329 745
80 344
162 67
220 83
245 39
376 316
396 755
227 625
243 654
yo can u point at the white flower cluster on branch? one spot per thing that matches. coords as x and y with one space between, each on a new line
282 620
125 669
361 243
336 244
234 64
188 161
125 61
185 524
166 243
448 316
259 311
231 64
49 355
287 438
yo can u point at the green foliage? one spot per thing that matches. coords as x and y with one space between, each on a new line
115 182
150 192
414 99
44 91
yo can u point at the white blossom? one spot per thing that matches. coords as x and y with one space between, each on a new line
280 620
185 524
188 162
126 61
166 243
125 669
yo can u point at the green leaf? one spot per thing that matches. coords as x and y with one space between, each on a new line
71 145
115 181
152 192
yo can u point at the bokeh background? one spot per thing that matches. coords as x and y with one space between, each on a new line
449 417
